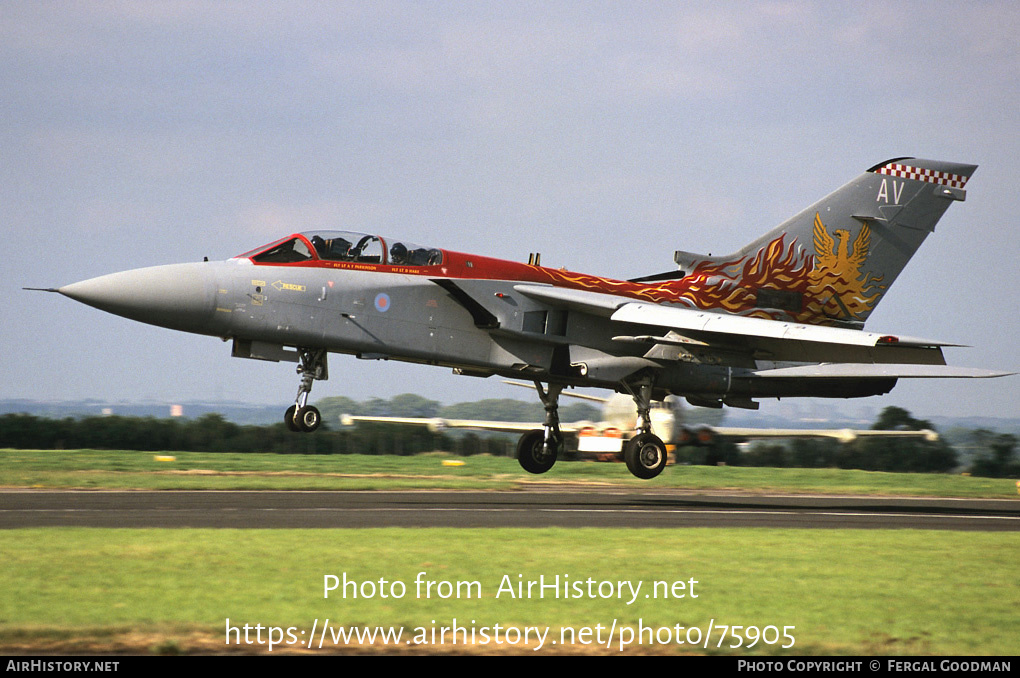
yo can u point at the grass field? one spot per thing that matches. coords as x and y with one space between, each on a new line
844 592
95 469
860 592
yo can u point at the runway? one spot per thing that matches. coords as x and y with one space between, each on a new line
526 509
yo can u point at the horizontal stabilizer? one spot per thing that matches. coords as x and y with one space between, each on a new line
718 323
877 371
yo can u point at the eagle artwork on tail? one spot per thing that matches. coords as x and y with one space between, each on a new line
837 281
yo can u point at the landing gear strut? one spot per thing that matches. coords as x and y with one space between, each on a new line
645 453
537 450
302 417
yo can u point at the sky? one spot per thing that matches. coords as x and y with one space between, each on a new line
604 135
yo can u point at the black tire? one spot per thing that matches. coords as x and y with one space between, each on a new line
645 455
307 419
531 453
288 419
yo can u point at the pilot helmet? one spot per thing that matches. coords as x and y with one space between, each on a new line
398 253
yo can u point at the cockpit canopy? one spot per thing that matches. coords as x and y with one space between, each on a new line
344 246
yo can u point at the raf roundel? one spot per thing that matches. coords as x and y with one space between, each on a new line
382 302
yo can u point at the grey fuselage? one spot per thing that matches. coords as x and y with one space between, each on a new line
478 327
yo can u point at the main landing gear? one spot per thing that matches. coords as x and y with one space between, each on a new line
537 450
302 417
645 453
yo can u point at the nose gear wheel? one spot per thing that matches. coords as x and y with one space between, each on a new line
302 417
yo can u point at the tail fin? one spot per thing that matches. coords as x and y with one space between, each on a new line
833 262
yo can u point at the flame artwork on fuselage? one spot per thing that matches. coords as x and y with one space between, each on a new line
779 281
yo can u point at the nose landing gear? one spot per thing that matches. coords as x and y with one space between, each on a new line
302 417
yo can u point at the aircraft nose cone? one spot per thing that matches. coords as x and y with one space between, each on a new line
179 296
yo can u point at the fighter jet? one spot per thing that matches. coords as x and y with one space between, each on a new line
782 317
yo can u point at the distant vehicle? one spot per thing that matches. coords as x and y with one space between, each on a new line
782 317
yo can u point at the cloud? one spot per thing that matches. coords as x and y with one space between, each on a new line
269 220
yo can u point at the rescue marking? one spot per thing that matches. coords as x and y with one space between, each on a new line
280 285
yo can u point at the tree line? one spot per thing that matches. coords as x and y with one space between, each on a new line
212 433
995 453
